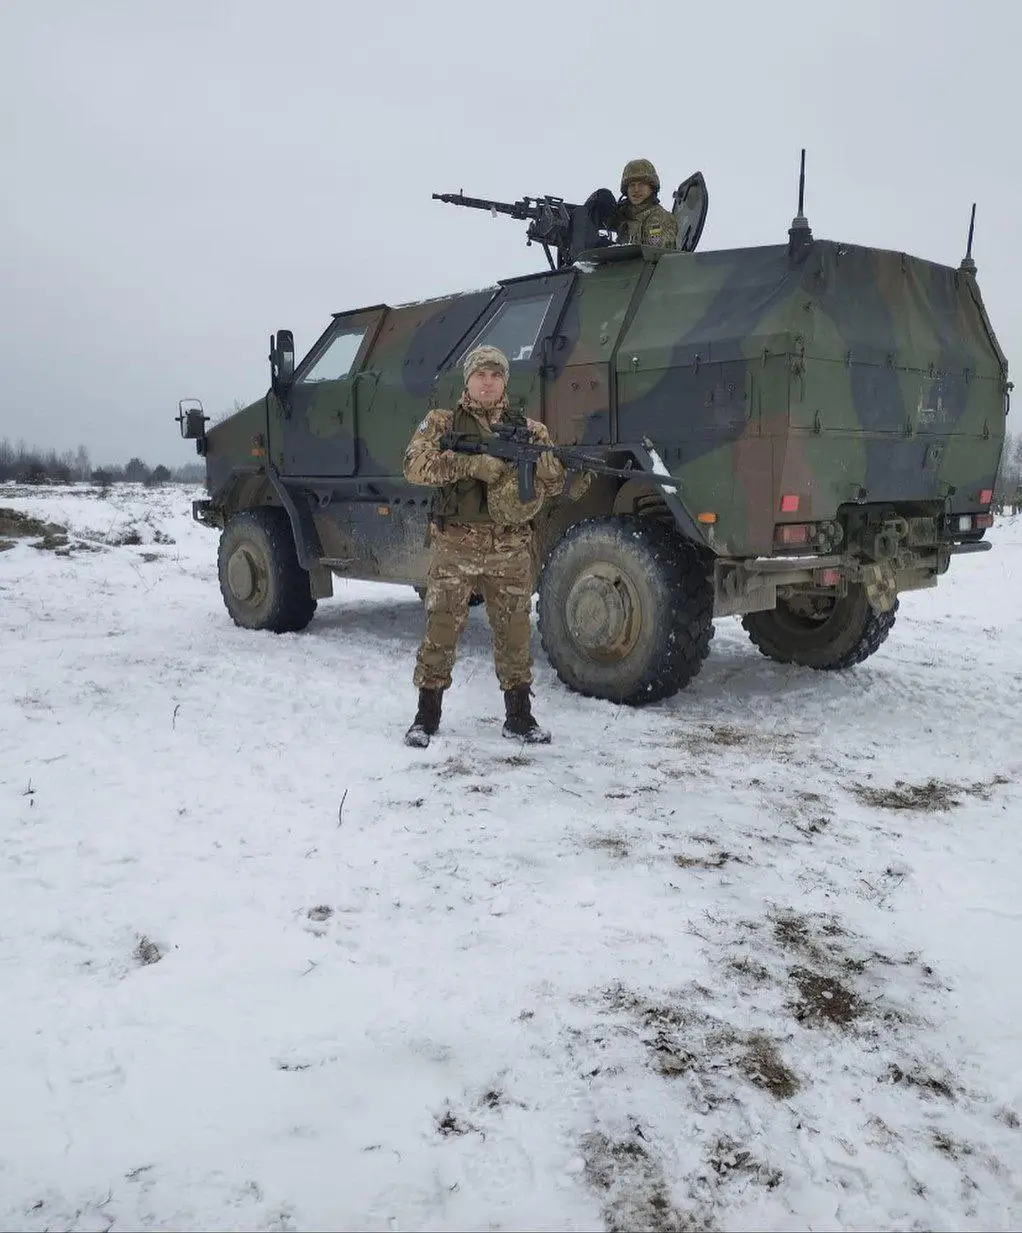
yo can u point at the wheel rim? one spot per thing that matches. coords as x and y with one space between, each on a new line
805 612
248 575
603 613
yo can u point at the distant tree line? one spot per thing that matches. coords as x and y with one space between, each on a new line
29 465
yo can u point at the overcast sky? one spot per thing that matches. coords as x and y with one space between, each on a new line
181 177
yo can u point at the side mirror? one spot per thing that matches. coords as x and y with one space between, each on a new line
282 360
191 420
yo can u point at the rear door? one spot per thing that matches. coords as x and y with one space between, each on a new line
332 387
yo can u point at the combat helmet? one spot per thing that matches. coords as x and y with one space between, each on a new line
640 169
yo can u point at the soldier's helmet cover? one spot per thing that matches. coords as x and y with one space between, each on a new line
640 169
486 357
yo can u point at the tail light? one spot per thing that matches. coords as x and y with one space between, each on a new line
974 522
793 533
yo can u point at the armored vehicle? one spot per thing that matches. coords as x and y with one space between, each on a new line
809 429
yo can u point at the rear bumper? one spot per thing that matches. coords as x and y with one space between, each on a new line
742 586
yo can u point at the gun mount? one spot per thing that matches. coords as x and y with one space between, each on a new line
566 231
549 218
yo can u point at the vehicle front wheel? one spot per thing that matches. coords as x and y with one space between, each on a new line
262 583
821 632
625 610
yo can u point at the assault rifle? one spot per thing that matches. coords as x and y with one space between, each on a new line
513 443
553 222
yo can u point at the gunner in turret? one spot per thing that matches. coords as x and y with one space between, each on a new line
639 217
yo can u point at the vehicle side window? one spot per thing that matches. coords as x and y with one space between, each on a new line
337 359
514 328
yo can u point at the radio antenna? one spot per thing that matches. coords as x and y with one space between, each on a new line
799 234
968 265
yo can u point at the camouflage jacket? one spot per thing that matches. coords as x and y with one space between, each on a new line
425 463
648 224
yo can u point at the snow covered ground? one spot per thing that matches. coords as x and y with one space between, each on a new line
747 959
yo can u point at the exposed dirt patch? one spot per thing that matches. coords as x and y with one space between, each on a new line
933 796
750 970
950 1146
824 999
448 1125
454 767
815 938
730 1161
614 845
650 1013
681 1040
5 544
146 952
633 1185
515 760
13 522
763 1066
320 912
926 1083
712 860
129 537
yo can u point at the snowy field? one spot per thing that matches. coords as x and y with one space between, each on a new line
748 959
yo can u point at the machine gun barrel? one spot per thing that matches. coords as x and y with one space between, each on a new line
514 209
512 443
549 219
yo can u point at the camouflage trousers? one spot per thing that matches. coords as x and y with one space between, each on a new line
498 563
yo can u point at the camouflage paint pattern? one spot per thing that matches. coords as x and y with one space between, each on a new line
496 562
850 378
648 223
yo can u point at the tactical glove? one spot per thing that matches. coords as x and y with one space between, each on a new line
581 485
485 468
548 468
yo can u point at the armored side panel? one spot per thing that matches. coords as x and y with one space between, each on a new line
841 376
851 375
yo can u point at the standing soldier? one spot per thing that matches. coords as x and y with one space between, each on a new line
639 217
480 539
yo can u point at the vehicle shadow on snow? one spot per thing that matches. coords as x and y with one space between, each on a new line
399 623
733 670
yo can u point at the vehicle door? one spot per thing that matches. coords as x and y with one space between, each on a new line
522 321
331 389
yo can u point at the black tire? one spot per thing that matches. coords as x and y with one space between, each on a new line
261 581
837 636
625 610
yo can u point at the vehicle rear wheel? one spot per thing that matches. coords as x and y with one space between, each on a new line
262 583
820 631
625 610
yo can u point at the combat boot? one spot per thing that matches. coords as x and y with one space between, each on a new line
521 722
427 718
